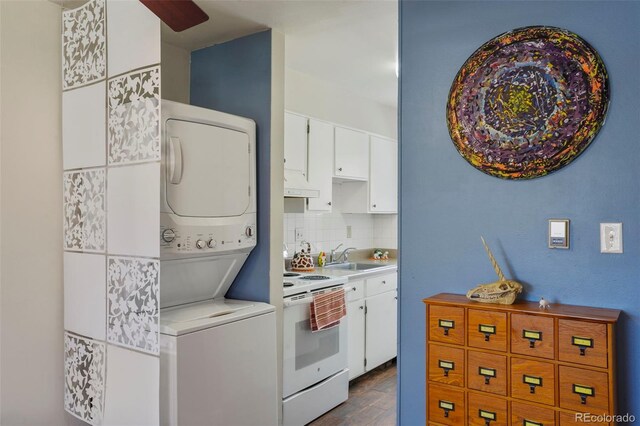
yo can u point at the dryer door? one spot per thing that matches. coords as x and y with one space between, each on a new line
208 169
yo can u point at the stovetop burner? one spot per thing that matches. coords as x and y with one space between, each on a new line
288 284
314 277
290 274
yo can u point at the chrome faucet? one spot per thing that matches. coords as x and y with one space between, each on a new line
344 255
332 255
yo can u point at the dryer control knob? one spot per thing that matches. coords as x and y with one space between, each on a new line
212 243
201 244
248 231
168 235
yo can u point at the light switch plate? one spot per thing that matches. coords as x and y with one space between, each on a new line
611 238
559 233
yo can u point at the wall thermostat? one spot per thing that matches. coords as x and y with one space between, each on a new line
559 233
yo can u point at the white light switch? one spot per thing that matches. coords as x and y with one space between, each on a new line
611 238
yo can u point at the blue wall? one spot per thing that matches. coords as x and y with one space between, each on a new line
235 77
446 204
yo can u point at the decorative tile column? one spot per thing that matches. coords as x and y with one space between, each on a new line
111 201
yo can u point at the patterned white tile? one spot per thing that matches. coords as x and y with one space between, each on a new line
134 117
133 33
133 387
85 294
83 44
84 368
133 303
83 126
84 210
133 217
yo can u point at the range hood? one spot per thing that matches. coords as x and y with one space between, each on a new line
297 186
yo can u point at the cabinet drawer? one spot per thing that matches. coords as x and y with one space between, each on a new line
446 365
532 335
488 330
357 290
446 324
446 405
584 390
381 284
486 410
582 342
580 419
530 415
487 372
533 381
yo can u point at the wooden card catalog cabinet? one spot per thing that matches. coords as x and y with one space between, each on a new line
493 365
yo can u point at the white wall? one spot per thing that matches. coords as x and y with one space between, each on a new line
320 99
176 70
31 310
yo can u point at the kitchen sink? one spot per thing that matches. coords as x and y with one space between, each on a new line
348 266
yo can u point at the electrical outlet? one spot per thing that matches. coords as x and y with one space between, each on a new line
299 234
611 238
348 231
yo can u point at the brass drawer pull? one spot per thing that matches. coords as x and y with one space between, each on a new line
532 336
582 343
526 422
487 373
446 325
488 416
584 392
446 366
447 407
532 381
487 330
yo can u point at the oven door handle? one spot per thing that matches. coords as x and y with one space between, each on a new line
307 300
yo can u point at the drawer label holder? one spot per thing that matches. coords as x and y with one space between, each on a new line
446 325
532 381
532 336
447 407
446 366
488 416
487 373
526 422
487 330
582 343
584 392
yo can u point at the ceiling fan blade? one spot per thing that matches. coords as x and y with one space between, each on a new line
179 15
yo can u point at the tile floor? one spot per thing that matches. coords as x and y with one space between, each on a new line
372 401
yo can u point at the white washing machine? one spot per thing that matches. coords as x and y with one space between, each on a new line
218 360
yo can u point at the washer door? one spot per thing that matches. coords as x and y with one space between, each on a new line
208 171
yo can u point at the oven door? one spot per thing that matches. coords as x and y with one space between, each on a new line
308 357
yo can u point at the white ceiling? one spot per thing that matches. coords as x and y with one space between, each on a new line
352 43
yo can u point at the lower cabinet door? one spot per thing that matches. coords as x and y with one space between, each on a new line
530 415
484 410
381 329
355 338
446 405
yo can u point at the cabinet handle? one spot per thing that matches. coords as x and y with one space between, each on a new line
446 366
447 407
582 343
487 416
353 288
533 336
339 169
384 282
446 325
374 206
584 392
329 203
487 330
361 307
532 381
487 373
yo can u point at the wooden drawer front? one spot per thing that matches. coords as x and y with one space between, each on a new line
488 330
584 390
530 415
583 342
532 335
486 410
533 381
570 419
446 405
381 284
446 324
446 365
487 372
357 290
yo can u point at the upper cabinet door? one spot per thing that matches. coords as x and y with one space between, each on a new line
351 154
320 164
383 179
295 142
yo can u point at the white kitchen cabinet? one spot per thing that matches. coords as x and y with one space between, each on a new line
381 337
383 176
355 338
320 165
295 142
351 159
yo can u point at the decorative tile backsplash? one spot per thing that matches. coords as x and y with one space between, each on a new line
84 45
134 117
84 210
133 303
84 368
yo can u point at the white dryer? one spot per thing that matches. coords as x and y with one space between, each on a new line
218 356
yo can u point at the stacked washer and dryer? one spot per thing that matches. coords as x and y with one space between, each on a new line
218 356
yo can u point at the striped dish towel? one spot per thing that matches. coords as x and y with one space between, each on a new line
327 309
